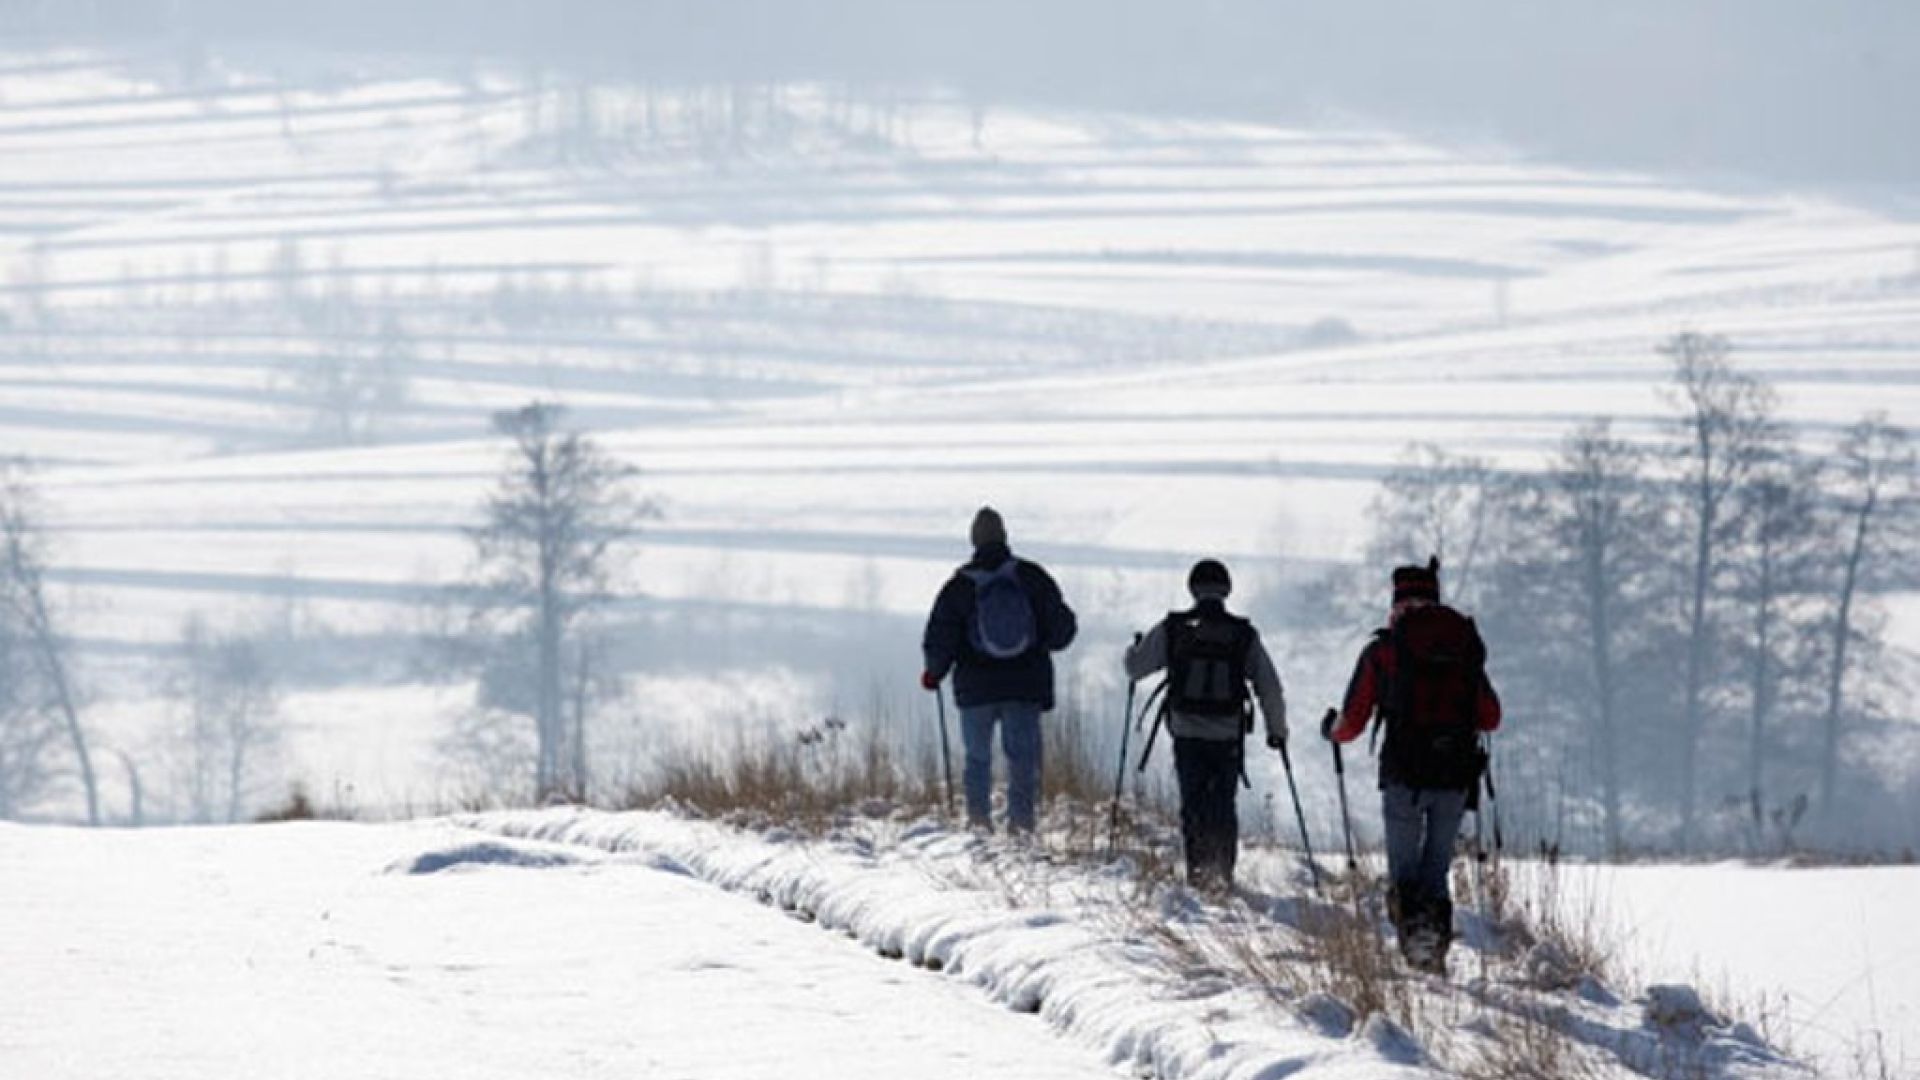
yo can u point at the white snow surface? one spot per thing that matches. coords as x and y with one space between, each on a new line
333 951
569 943
1073 944
1831 952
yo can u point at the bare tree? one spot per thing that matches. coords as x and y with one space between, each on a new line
357 380
545 559
1874 489
1600 520
1435 503
23 591
231 719
1726 419
28 734
1774 575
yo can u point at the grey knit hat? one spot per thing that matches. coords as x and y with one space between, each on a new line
988 528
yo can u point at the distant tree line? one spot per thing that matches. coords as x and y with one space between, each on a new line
1687 628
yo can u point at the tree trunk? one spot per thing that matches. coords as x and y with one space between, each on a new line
1762 687
1837 666
49 647
1697 646
238 730
547 704
137 810
579 733
1600 627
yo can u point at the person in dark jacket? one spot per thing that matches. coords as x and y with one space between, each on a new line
995 625
1430 761
1212 657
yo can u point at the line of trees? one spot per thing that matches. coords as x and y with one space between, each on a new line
1687 626
546 551
1685 623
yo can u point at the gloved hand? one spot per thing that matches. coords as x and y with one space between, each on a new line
1327 722
1276 742
929 681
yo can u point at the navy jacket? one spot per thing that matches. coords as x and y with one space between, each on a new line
983 680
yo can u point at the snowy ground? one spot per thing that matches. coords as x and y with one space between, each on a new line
592 945
323 951
1829 953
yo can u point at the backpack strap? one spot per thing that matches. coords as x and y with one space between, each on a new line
1381 638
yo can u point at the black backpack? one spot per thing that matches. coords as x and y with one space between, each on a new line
1431 704
1207 663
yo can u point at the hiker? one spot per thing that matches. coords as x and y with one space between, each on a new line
995 625
1425 677
1210 656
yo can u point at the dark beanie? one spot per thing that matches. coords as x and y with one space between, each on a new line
988 528
1209 578
1417 582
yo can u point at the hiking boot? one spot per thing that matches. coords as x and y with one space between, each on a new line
1210 880
1425 950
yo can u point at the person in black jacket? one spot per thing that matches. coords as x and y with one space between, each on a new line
1216 669
995 625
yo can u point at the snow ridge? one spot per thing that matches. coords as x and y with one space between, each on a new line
1057 943
1086 983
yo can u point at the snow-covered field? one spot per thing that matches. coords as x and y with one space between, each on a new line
825 331
581 944
328 951
1829 954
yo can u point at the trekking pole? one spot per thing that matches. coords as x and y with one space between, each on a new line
946 755
1493 800
1479 848
1346 818
1155 732
1299 815
1120 774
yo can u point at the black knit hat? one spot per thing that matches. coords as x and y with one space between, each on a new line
987 528
1417 582
1209 578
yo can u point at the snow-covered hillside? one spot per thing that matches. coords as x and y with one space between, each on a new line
825 326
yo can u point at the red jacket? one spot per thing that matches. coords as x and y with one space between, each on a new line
1371 677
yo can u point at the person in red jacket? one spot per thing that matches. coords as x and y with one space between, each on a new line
1424 677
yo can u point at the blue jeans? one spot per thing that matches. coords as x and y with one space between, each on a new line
1421 826
1020 739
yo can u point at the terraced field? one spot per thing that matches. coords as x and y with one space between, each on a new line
253 324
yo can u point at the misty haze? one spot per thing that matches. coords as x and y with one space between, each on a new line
504 506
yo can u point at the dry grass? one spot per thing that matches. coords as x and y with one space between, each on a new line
1069 771
1559 936
824 772
301 807
1525 1044
807 781
1328 955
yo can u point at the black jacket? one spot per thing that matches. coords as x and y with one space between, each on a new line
983 680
